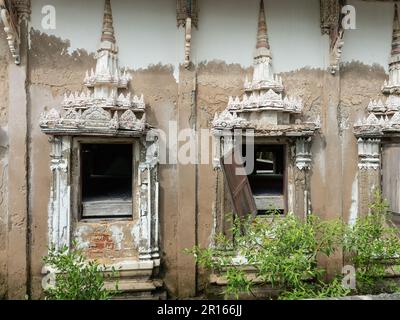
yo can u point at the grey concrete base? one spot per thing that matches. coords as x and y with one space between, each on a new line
385 296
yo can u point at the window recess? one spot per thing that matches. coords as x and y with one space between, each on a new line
106 180
267 181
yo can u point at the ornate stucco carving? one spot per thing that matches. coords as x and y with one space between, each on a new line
335 52
60 193
369 154
330 11
187 16
383 116
23 8
392 86
185 9
303 153
9 16
331 25
188 41
103 109
264 106
13 13
270 100
227 120
148 200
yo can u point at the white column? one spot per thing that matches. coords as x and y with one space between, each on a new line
148 201
60 193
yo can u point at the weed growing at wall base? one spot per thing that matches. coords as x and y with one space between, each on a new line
372 246
283 252
75 277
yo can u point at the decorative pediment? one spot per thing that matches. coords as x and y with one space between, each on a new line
275 83
93 120
378 125
120 78
84 100
269 100
129 121
103 108
227 120
264 105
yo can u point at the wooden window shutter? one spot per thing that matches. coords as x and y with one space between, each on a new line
391 175
238 186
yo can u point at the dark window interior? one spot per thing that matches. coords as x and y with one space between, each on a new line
267 179
106 172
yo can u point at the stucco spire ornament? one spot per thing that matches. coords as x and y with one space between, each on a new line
108 27
103 107
262 35
379 120
263 77
264 92
263 105
393 85
107 78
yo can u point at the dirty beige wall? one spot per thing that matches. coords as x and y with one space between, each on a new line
4 60
53 73
359 84
216 82
56 68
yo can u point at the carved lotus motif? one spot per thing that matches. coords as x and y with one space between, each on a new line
393 103
51 118
96 114
228 120
129 121
395 120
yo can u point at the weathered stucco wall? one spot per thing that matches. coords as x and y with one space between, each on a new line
226 28
370 43
4 60
52 74
138 26
227 32
222 51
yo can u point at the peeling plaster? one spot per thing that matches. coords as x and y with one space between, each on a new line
135 232
81 234
59 67
136 32
354 202
117 236
370 43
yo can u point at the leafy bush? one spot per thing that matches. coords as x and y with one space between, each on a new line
284 250
76 278
372 246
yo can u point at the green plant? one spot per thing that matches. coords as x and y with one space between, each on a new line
283 252
372 246
76 278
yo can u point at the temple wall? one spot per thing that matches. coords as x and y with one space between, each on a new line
153 48
4 61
